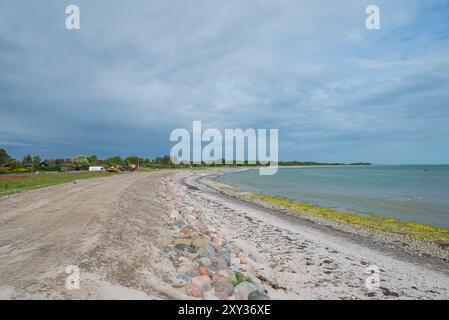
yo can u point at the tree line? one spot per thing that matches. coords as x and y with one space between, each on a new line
81 162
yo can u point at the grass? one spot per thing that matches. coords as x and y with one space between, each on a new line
240 277
13 184
371 222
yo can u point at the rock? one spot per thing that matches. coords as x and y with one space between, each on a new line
193 290
205 261
224 286
244 289
172 253
226 256
188 268
179 223
202 228
256 295
206 251
217 277
229 275
218 264
243 259
183 241
203 271
184 247
222 295
203 282
200 242
184 278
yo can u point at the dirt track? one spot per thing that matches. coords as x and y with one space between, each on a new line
111 228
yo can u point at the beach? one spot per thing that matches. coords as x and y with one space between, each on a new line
172 235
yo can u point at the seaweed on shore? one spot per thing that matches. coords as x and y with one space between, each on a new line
374 223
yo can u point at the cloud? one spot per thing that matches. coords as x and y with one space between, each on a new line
135 71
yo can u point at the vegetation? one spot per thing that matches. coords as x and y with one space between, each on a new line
14 184
4 157
240 277
370 222
31 163
80 163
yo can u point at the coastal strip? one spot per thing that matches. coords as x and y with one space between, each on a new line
414 238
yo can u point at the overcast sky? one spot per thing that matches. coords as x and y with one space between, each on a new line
139 69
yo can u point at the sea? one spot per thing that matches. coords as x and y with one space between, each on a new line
412 193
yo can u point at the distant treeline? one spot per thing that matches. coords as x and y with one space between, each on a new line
31 163
311 163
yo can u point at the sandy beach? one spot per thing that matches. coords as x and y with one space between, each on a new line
167 235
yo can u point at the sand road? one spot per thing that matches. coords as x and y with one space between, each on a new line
111 228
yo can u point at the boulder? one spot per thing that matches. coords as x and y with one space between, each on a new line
256 295
200 242
179 223
229 275
206 251
205 261
224 286
184 248
243 259
183 241
184 278
218 263
188 268
203 282
245 289
194 290
226 256
222 295
203 271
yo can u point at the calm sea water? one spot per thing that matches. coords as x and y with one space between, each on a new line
416 193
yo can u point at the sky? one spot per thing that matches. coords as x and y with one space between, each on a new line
136 70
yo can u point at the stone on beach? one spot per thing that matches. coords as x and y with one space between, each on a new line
184 247
206 251
224 286
243 259
226 274
222 295
218 264
194 290
226 256
203 271
202 282
245 289
200 242
256 295
205 261
179 223
183 241
188 268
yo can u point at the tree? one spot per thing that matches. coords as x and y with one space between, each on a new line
117 160
36 161
80 162
93 159
27 160
4 157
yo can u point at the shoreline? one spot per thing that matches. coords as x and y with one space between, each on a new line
310 260
413 238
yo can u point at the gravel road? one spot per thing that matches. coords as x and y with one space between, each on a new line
112 229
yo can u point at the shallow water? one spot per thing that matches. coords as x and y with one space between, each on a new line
416 193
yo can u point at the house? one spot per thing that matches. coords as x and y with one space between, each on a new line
48 164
